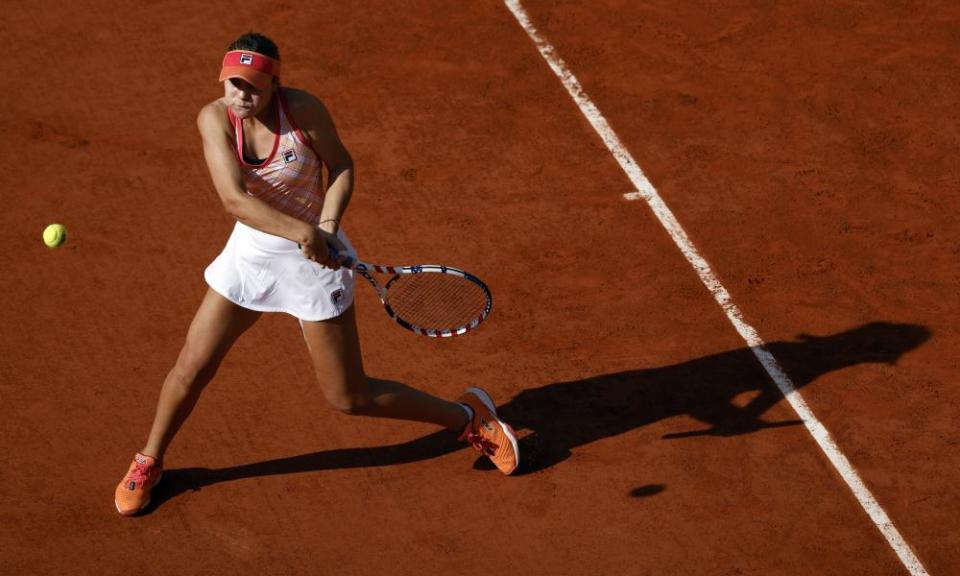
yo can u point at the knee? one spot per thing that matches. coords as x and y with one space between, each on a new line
350 404
350 400
191 373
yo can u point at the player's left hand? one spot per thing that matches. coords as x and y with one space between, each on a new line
332 241
317 248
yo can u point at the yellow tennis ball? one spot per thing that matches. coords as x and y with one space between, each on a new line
54 235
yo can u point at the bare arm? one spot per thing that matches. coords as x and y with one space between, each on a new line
224 169
315 121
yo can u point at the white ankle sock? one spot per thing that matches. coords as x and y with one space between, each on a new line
469 411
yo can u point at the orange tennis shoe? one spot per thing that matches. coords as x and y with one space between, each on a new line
491 436
133 493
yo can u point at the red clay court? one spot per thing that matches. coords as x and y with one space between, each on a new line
808 151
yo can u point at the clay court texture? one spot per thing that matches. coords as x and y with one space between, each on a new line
807 151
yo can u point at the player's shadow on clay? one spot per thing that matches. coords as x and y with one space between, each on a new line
557 418
729 392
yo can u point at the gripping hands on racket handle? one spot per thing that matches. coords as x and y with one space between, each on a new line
323 249
428 299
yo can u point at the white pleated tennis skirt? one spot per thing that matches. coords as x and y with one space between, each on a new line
268 273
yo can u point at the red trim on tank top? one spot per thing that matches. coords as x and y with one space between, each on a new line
304 139
237 142
238 131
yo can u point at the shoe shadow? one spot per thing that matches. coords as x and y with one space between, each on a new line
729 392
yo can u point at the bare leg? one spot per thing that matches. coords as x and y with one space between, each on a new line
216 326
335 350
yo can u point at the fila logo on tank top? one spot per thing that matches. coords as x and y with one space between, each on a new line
290 178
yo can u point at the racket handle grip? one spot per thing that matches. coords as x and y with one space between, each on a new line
334 253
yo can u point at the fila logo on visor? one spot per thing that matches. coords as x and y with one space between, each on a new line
289 156
246 59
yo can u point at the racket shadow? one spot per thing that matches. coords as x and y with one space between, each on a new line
563 416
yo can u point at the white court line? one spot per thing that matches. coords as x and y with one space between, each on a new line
647 192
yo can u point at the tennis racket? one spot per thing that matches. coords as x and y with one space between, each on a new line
428 299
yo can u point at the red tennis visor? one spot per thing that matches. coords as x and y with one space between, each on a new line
253 67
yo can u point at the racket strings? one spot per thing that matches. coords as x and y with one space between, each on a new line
437 301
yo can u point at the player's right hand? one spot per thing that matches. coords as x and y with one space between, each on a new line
316 248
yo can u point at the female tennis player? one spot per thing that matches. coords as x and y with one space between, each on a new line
265 147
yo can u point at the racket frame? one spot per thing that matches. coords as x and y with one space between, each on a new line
364 269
